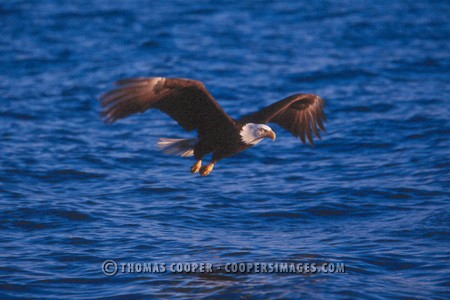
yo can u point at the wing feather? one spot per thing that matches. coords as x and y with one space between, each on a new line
301 114
187 101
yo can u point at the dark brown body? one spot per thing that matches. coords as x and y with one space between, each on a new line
221 147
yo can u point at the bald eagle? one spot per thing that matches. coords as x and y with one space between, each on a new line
190 104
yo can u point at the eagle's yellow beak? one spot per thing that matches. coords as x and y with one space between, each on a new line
272 135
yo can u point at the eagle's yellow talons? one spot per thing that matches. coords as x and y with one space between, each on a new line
204 171
196 167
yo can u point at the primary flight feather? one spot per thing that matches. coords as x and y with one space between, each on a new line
189 103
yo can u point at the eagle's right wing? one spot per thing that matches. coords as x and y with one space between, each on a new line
187 101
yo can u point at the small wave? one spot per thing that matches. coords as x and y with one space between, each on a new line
17 116
150 44
288 215
31 225
374 108
70 215
69 175
332 75
41 218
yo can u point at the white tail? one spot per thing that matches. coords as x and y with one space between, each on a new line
181 147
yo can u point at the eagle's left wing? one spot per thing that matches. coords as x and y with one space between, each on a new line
301 114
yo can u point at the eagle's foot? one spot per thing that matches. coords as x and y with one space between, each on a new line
196 167
204 171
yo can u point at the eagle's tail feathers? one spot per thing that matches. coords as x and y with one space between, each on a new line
178 147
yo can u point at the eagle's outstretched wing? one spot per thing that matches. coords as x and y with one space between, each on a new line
187 101
301 114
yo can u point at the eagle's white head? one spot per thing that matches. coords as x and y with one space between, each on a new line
252 134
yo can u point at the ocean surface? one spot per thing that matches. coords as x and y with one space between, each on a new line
373 195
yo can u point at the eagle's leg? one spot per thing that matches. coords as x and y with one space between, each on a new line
204 171
196 167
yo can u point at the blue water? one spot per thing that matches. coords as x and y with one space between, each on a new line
373 194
